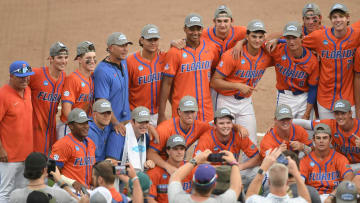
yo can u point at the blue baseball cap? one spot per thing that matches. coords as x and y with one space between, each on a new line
205 175
20 69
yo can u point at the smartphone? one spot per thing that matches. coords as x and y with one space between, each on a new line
282 160
84 191
216 157
120 170
51 166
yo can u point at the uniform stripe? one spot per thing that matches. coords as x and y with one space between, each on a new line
201 86
50 117
221 48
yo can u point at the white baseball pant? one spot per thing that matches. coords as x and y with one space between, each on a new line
11 178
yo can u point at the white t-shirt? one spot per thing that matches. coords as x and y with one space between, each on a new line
274 199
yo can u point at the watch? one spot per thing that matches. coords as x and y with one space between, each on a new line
193 161
261 172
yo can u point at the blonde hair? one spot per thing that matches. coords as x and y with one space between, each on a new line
278 175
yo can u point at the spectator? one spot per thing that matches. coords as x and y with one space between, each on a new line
278 177
145 184
36 171
16 129
99 130
204 181
100 195
346 192
39 197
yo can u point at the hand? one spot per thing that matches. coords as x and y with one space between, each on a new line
178 43
202 157
84 198
242 130
3 155
357 112
124 178
328 199
77 186
170 169
271 45
56 175
238 49
297 146
306 116
153 134
245 89
293 169
120 128
270 158
357 140
130 170
283 146
161 118
149 164
228 157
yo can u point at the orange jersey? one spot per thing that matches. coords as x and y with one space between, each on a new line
247 70
46 94
171 127
191 70
357 60
236 33
272 139
144 79
337 64
235 144
306 32
356 25
16 128
75 158
160 180
344 142
295 74
324 175
78 91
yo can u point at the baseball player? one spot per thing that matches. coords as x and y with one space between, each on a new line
46 87
145 72
311 19
324 168
16 128
187 71
75 153
336 48
175 149
357 81
111 80
235 79
285 134
356 25
78 90
297 72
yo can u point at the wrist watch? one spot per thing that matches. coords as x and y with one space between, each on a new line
193 162
261 172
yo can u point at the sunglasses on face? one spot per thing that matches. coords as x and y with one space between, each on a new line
23 70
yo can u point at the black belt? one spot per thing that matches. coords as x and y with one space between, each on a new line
237 97
297 92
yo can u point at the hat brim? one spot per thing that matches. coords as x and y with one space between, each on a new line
120 44
295 34
139 120
342 110
284 117
194 24
152 37
21 75
189 109
104 110
80 121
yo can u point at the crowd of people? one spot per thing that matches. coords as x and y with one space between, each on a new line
114 143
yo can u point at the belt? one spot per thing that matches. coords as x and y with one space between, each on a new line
297 92
237 97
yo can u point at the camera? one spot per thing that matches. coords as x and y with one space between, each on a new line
282 159
51 166
120 169
216 157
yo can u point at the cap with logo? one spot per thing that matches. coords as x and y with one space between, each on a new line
311 7
293 29
342 105
140 114
150 31
205 175
58 48
346 192
256 25
20 69
84 47
101 106
78 116
100 195
117 38
222 112
224 11
188 103
175 140
340 7
283 111
322 128
193 19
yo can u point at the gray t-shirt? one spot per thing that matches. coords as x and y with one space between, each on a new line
177 194
61 196
270 198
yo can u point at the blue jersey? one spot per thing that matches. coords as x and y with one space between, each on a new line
99 137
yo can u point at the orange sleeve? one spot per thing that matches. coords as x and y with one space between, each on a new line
343 165
69 90
248 147
240 32
216 56
2 104
311 40
304 166
226 64
202 127
152 173
61 151
164 131
357 60
204 143
172 62
266 144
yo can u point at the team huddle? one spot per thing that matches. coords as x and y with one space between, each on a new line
113 115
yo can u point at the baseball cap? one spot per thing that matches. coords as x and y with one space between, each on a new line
283 111
346 192
293 29
78 116
256 25
223 179
35 161
84 47
205 175
223 10
188 103
58 48
144 180
193 19
175 140
222 112
140 114
150 31
117 38
101 106
100 195
342 105
20 69
340 7
311 7
322 128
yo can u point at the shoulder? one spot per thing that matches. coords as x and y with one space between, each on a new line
256 198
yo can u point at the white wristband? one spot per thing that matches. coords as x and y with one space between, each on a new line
67 180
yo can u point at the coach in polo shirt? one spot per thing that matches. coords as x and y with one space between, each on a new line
16 130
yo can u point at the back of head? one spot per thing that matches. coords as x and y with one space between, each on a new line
278 175
104 169
34 165
37 197
100 195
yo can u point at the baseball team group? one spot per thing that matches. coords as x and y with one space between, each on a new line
113 141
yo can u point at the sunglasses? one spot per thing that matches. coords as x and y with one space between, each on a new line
23 70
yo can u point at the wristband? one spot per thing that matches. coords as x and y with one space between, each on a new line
134 178
67 180
60 182
64 185
234 163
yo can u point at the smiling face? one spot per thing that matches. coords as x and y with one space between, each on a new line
339 20
293 43
79 129
312 22
88 61
222 23
283 124
342 118
187 117
150 45
193 33
19 83
140 127
255 39
118 51
223 126
59 62
176 153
